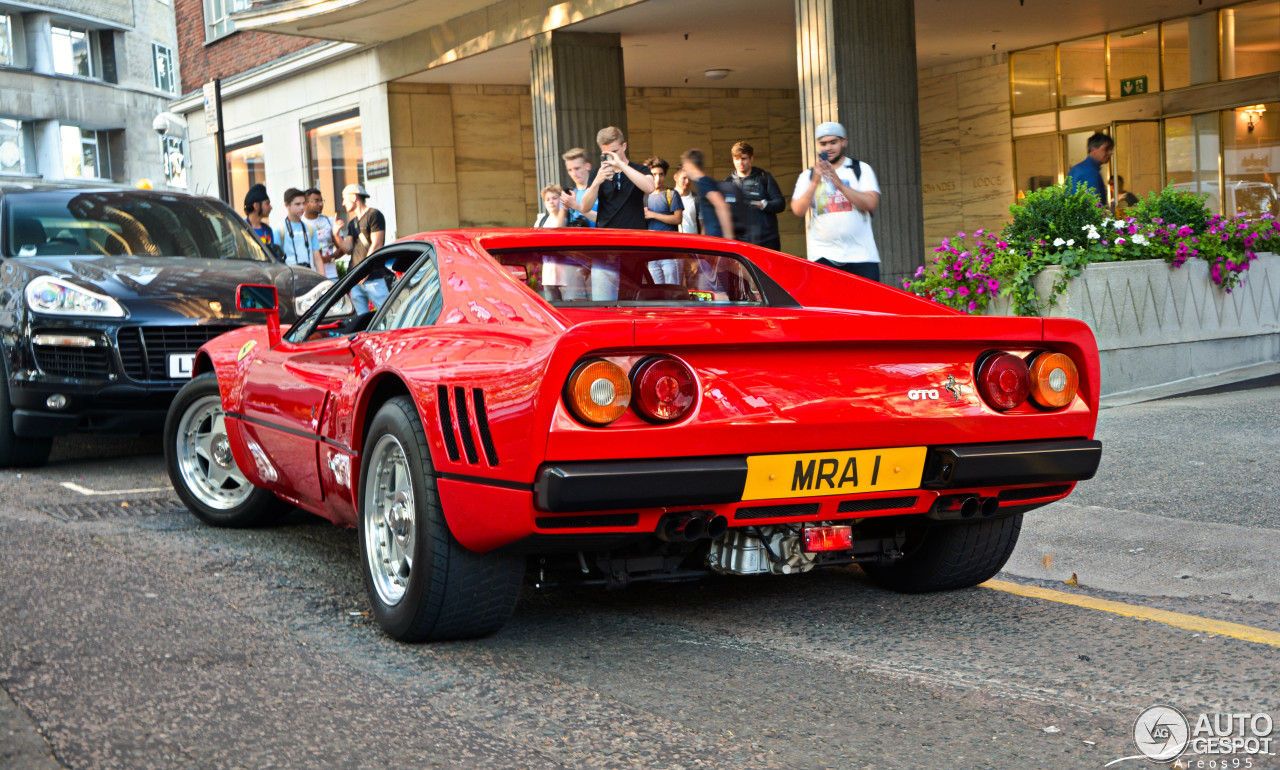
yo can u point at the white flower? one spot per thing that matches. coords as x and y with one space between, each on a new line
1120 224
1058 241
1140 239
1093 235
1071 242
1119 241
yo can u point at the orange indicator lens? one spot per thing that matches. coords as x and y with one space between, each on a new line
598 392
1054 380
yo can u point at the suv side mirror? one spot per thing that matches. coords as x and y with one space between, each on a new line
261 298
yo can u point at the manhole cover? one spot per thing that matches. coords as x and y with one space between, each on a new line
112 509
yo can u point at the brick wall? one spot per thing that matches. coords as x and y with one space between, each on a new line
227 56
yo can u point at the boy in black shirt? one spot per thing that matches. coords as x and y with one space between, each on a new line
621 187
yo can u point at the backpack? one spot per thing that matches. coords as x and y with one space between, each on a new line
738 208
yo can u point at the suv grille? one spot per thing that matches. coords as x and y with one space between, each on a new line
145 350
88 363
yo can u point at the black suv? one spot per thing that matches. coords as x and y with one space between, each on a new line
105 295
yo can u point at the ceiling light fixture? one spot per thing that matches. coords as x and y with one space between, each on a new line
717 74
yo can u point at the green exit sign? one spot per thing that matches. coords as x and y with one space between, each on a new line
1133 86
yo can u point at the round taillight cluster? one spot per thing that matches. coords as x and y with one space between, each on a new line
660 389
664 389
1006 381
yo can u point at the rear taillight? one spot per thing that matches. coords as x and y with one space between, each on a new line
1004 381
664 389
829 538
1054 380
598 392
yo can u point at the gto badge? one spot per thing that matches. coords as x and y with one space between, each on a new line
953 387
922 395
245 348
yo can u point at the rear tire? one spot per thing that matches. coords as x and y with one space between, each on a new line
18 451
951 555
423 584
200 465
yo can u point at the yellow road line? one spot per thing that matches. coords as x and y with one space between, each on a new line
1176 619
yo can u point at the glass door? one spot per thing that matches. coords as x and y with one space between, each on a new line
1137 165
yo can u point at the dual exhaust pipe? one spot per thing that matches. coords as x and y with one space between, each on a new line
974 506
957 508
688 526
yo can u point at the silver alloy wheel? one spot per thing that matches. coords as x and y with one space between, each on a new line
388 520
204 456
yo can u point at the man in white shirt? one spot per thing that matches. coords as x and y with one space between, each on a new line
296 238
323 227
841 193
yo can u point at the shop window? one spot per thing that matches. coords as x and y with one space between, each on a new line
162 68
1251 159
173 154
1075 148
6 40
1251 39
1175 61
1035 161
335 156
1191 156
246 167
1035 80
73 52
1136 162
1135 62
84 153
13 154
1083 67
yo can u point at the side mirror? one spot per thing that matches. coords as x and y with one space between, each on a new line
261 298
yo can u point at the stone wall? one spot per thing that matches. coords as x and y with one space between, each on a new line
967 170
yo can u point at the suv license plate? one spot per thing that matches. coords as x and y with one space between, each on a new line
180 365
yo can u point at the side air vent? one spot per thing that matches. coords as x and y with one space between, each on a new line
482 421
446 422
464 424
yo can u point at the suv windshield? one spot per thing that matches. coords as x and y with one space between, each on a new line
43 224
633 277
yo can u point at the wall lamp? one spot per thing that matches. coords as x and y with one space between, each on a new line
1254 112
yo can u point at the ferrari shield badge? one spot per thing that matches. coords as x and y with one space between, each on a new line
245 348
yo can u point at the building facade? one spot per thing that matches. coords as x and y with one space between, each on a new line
81 84
455 116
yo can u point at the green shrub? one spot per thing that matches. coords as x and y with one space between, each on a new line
1172 207
1051 213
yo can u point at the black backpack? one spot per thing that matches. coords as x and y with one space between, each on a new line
738 208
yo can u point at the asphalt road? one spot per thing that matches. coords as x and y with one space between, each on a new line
131 636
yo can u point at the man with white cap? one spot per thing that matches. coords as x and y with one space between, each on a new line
841 192
363 235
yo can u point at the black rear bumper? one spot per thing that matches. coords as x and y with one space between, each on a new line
612 485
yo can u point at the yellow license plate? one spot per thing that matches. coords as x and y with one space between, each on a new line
819 474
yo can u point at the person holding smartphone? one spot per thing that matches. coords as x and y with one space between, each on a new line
620 186
841 192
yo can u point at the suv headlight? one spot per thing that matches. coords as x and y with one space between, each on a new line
58 297
303 303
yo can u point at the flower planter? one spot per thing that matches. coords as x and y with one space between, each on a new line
1157 324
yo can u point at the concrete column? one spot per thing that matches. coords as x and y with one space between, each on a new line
577 87
38 36
857 63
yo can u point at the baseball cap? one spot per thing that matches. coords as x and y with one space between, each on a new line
355 189
830 129
256 194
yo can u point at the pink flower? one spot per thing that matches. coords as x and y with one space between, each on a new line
993 284
962 291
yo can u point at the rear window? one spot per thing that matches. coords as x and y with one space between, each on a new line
120 223
622 277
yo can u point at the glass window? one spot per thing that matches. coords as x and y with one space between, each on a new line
591 277
245 168
217 16
84 153
6 41
1036 162
1191 156
1176 61
1136 162
1251 159
336 155
173 154
13 156
1084 71
108 222
1251 39
162 68
73 52
416 302
1035 80
1135 57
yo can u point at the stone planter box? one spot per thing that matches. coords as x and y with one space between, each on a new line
1157 324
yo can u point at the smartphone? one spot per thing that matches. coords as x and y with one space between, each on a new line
604 159
824 156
